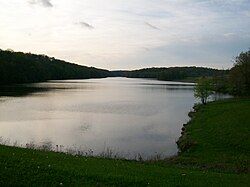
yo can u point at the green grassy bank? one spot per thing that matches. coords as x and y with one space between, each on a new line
218 137
215 153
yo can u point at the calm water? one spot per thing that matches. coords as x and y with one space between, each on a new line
126 115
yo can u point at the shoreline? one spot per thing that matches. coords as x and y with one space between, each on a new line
185 142
215 160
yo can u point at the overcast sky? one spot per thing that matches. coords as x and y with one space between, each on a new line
128 34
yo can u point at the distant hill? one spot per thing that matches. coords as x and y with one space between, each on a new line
173 73
18 67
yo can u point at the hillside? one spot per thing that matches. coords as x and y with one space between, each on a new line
173 73
18 67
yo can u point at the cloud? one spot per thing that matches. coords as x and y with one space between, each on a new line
137 32
229 35
85 25
45 3
152 26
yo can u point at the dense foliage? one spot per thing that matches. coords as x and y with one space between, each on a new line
175 73
240 75
18 67
203 89
237 82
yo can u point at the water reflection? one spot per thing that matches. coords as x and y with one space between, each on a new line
128 115
20 90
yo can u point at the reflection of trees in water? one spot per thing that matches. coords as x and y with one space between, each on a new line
20 90
167 87
2 99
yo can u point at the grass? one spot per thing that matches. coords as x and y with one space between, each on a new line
220 135
218 156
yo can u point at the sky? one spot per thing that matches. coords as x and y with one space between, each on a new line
128 34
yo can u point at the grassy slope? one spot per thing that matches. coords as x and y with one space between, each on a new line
220 131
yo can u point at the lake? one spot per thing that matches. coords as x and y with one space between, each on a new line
127 116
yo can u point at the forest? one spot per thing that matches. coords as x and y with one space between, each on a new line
175 73
19 67
234 81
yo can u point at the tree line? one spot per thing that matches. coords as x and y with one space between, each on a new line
237 82
18 67
175 73
234 81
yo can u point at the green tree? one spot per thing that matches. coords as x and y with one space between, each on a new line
203 89
240 74
18 67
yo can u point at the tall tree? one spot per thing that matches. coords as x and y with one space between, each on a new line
240 74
